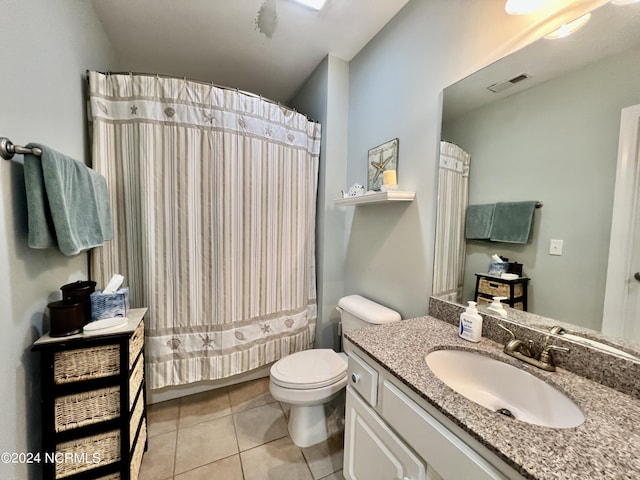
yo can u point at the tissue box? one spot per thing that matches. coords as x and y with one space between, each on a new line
498 268
109 305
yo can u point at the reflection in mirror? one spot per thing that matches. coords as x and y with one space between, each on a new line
550 137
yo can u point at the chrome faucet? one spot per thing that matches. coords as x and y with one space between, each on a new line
524 352
557 330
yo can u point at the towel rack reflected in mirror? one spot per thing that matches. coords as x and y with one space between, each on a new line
8 149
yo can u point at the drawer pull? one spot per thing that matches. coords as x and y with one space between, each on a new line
355 378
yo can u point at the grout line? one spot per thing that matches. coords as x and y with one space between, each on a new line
175 452
235 432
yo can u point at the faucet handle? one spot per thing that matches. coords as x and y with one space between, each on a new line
547 359
548 348
557 330
513 335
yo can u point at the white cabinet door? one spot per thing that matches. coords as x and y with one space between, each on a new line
372 450
438 446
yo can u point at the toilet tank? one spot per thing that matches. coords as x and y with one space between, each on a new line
359 312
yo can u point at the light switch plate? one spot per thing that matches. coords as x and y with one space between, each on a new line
555 247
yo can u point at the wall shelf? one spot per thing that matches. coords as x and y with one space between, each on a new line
378 197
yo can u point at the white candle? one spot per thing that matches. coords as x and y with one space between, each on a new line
389 177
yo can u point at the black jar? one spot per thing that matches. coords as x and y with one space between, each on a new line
79 292
66 318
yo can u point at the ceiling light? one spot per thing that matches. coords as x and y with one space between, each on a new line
568 28
624 2
522 7
315 4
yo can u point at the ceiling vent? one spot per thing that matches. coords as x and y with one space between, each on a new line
500 86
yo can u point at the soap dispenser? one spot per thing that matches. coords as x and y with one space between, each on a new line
497 306
470 324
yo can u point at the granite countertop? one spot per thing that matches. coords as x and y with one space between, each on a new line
606 445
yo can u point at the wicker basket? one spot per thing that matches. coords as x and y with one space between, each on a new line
80 454
86 408
136 458
135 380
497 289
136 344
136 416
111 439
486 301
98 362
86 363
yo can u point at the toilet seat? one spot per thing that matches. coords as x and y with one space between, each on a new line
309 369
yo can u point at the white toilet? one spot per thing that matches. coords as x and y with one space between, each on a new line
307 380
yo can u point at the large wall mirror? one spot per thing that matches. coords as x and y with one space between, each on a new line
552 137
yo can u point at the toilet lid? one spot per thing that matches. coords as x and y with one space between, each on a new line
309 369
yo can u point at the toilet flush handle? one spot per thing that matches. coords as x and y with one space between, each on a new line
355 378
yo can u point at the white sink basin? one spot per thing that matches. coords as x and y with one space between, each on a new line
504 388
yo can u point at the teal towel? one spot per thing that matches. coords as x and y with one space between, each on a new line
478 221
513 222
42 233
67 203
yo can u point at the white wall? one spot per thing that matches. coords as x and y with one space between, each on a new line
324 97
395 91
558 143
46 48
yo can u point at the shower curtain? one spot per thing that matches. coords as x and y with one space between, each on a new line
213 193
453 197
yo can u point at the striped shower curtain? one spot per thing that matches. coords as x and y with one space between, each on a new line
213 194
453 197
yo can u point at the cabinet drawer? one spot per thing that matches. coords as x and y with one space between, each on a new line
136 343
136 459
363 378
94 406
135 380
136 417
138 451
439 447
87 453
88 363
498 289
86 408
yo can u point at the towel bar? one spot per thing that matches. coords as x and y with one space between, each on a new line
8 149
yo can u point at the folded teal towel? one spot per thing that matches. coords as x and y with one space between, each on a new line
513 222
478 221
67 203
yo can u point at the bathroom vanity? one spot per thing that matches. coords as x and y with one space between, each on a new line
397 435
403 422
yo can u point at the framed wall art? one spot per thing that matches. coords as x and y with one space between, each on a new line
381 158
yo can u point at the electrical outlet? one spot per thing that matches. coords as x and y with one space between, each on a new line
555 247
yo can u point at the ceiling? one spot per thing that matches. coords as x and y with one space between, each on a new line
613 29
268 47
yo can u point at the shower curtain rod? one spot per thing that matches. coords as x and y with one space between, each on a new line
8 149
202 82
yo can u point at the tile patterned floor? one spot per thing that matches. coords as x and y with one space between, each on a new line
236 433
